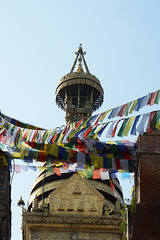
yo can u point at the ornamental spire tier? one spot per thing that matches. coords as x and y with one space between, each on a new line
79 93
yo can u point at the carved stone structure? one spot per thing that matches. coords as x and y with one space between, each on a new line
70 207
76 210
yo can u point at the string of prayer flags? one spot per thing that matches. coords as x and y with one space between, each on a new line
17 168
135 105
18 123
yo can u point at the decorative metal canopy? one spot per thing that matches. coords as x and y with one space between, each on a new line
79 93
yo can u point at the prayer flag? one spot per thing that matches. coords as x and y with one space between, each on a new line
128 126
104 175
120 133
100 131
156 101
17 169
133 106
158 125
152 98
155 120
110 130
104 115
133 130
127 108
63 170
57 171
96 123
115 128
80 158
141 126
122 110
148 128
96 174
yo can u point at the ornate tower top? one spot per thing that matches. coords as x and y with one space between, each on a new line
79 93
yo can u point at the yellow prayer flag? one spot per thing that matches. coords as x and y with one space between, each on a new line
60 138
128 126
104 115
95 136
54 150
92 157
110 155
133 106
71 135
17 155
28 135
82 173
3 162
132 190
158 125
41 168
87 167
72 125
111 142
97 161
59 165
19 140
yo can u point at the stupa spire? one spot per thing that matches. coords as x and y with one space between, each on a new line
81 58
79 93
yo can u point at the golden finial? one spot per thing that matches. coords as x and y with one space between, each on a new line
80 68
80 54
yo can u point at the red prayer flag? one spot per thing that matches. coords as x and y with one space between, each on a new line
96 123
17 169
112 186
121 112
25 135
65 165
152 98
87 132
66 129
118 164
79 123
42 156
148 128
96 175
115 128
53 139
57 171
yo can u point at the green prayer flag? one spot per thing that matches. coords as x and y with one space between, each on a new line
120 133
127 109
92 131
89 174
33 153
156 101
109 163
50 169
155 120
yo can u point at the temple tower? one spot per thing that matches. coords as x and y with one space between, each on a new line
68 206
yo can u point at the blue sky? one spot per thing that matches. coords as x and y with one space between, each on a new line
37 45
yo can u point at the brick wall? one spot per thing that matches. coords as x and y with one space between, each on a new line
147 215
